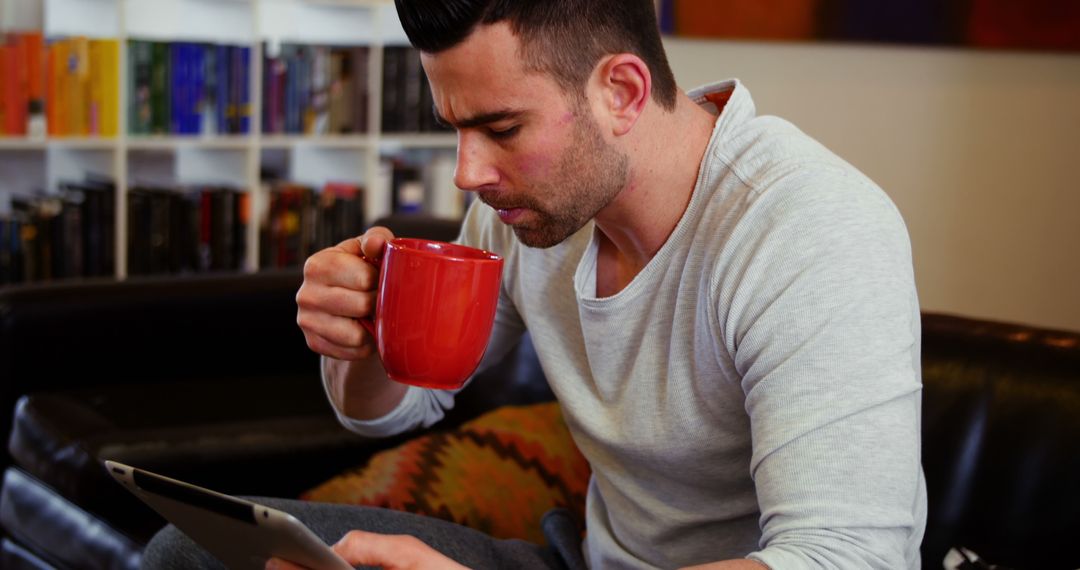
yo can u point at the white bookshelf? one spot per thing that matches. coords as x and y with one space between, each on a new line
28 165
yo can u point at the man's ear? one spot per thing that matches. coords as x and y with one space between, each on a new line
626 85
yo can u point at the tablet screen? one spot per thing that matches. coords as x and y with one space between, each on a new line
224 506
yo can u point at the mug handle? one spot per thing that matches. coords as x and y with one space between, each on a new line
368 322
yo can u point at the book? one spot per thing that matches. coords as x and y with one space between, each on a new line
35 64
19 75
412 86
318 109
244 90
104 97
76 86
140 110
208 99
392 83
160 101
186 87
55 110
359 58
223 113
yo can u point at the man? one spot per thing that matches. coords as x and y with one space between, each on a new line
725 310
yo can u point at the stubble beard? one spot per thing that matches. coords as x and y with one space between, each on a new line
590 174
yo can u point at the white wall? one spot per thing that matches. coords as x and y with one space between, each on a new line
21 15
979 150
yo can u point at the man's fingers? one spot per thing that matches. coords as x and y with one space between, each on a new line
373 240
337 301
391 552
327 347
279 564
359 547
342 266
335 267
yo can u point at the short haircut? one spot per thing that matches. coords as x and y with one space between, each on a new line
565 38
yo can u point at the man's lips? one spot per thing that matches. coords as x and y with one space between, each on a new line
509 215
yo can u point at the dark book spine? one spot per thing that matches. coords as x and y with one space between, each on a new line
267 85
224 228
108 230
5 251
71 238
160 100
303 90
233 116
140 109
391 89
362 92
178 87
137 249
91 233
221 83
15 244
206 224
244 88
292 90
159 231
412 83
241 219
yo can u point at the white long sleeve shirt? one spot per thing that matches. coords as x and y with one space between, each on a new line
755 390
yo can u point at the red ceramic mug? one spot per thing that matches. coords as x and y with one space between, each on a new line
434 310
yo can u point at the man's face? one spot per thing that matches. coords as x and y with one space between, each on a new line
528 149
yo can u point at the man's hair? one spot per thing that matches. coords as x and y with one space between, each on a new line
565 38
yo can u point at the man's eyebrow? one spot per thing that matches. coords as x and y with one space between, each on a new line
479 120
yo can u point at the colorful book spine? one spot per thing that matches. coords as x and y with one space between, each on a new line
9 91
77 87
104 97
186 87
21 69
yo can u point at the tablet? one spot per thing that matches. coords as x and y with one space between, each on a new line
239 533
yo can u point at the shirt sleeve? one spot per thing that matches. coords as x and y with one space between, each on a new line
823 327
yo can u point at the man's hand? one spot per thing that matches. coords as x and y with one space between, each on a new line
391 552
339 288
739 564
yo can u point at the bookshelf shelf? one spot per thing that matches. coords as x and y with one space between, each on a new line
352 3
423 140
324 141
338 46
20 143
90 143
166 142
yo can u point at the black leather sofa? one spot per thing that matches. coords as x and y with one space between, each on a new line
208 379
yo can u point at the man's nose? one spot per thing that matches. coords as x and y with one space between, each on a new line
475 165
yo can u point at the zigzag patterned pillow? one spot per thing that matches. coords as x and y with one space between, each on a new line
498 473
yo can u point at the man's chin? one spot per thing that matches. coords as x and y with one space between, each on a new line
538 239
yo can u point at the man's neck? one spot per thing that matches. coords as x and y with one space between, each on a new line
665 158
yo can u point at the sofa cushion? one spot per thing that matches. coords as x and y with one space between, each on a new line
233 437
147 330
58 532
498 473
1001 426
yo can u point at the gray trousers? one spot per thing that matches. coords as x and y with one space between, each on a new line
171 549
